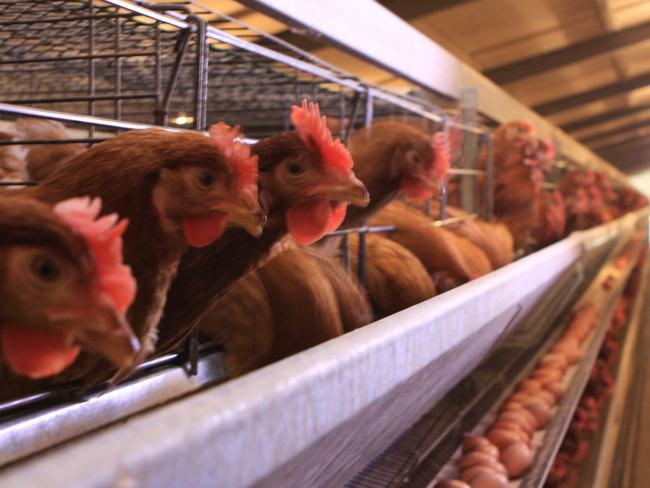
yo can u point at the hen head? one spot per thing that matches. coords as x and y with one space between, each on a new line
63 286
209 184
309 175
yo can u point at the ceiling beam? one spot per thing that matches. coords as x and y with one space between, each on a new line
409 10
570 54
604 117
631 142
614 132
594 95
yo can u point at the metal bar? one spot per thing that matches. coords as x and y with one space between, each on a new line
594 95
201 73
91 64
488 183
81 57
361 263
382 229
117 45
356 105
87 98
84 140
573 53
604 117
74 118
468 186
465 171
345 253
23 436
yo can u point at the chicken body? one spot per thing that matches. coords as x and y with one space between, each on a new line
436 247
154 178
395 277
301 187
286 306
62 289
42 159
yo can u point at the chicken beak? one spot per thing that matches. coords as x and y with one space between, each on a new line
347 188
245 211
106 332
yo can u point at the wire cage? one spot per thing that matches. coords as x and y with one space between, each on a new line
103 66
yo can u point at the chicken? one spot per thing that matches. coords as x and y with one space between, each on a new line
391 157
493 238
437 248
12 160
42 159
553 216
176 189
354 307
395 278
284 307
306 182
63 288
242 321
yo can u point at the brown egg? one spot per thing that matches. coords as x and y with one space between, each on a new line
511 406
547 396
473 458
522 417
452 484
546 373
517 458
472 442
489 479
529 385
490 449
503 437
554 359
520 396
570 349
469 474
556 389
514 427
540 410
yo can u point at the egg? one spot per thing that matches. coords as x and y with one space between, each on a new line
469 474
472 442
503 437
475 457
452 484
546 396
556 389
554 359
517 458
546 373
490 449
489 479
522 417
514 427
540 410
529 385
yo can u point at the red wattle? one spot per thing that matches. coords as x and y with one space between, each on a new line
338 216
203 231
36 353
412 188
309 221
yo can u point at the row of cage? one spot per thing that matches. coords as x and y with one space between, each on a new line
105 66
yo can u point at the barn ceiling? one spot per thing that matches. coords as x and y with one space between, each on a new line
583 64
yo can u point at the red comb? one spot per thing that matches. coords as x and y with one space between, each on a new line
312 129
103 236
238 153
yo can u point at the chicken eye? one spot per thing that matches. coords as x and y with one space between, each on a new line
45 269
294 169
206 179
